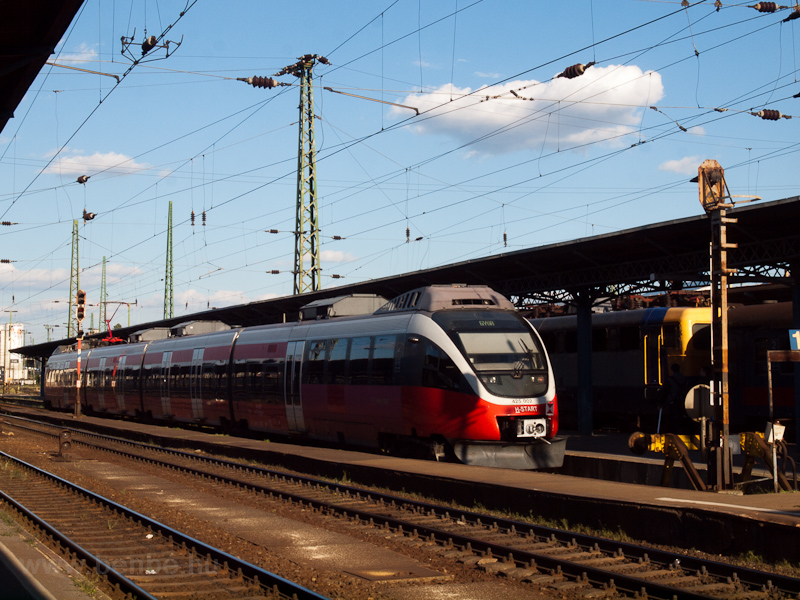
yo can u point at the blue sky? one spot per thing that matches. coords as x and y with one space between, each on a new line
501 145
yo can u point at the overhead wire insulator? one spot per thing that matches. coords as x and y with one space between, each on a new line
768 115
766 7
274 272
149 44
272 231
408 235
192 218
204 218
8 223
337 276
6 261
718 5
418 239
575 70
261 82
505 239
337 237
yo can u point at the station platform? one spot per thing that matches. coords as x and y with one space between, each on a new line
583 494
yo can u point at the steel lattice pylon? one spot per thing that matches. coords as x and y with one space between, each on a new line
169 298
103 297
306 247
74 282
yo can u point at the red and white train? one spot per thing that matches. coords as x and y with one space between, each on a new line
450 368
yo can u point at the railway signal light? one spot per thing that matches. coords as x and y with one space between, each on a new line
64 443
713 188
81 301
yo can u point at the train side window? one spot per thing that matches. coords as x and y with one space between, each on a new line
337 361
273 388
570 342
438 369
383 359
612 344
672 336
549 341
256 379
359 360
315 362
701 337
599 339
239 375
629 338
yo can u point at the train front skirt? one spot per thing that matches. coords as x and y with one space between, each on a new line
540 454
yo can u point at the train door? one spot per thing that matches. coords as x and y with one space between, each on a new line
292 387
100 383
165 367
118 383
196 383
654 375
66 380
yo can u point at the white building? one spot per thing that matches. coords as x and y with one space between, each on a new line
14 369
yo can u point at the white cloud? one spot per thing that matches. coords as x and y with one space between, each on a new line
602 105
84 54
684 166
35 278
76 162
337 256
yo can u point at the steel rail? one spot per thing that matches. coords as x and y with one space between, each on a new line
750 577
262 576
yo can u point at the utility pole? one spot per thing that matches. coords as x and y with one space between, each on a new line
713 192
74 279
169 298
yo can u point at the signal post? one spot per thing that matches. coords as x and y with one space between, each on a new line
79 314
713 192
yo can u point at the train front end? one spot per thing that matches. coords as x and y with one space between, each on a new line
502 411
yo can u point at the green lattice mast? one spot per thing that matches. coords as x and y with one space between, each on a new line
169 298
306 278
74 282
103 298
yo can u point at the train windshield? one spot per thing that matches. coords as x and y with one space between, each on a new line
501 349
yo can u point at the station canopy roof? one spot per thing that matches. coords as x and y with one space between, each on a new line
766 233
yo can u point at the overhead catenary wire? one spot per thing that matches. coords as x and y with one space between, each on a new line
204 188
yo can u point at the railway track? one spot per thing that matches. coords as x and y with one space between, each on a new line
584 565
138 556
